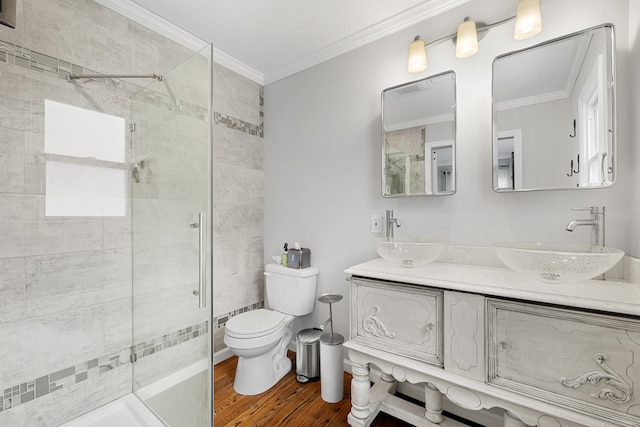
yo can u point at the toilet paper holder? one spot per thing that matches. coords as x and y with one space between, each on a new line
331 357
329 298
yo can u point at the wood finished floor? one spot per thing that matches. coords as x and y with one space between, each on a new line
288 403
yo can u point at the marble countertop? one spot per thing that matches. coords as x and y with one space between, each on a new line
616 296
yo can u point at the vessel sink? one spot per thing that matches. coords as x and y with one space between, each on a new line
557 263
409 252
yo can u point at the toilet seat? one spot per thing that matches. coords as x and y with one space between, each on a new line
255 324
256 329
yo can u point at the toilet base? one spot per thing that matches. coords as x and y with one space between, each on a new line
253 378
255 375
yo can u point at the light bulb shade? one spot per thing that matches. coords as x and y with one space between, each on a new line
467 40
417 56
528 19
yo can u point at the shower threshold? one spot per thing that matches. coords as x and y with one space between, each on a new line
127 411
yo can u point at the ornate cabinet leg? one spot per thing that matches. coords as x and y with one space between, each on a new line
392 383
387 378
433 403
360 391
510 420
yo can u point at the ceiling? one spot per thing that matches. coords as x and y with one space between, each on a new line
539 75
269 40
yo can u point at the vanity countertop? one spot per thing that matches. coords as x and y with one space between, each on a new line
615 296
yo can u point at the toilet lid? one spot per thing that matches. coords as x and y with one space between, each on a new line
255 323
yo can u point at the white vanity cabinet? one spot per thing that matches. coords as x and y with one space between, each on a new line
550 356
401 319
582 361
464 334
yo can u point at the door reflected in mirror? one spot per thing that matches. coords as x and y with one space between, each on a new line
418 141
553 114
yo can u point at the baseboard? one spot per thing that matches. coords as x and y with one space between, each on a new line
221 356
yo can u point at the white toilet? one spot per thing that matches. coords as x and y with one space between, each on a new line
260 337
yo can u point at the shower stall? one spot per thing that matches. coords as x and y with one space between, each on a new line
105 255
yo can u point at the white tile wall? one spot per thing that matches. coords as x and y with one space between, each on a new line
237 96
12 160
42 345
14 105
237 148
65 283
12 290
238 220
69 278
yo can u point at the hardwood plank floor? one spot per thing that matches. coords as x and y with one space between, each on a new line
288 403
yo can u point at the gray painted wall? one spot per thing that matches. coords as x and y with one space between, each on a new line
322 150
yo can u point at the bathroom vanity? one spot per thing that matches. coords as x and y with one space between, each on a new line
483 336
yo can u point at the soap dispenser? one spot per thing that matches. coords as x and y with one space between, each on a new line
285 255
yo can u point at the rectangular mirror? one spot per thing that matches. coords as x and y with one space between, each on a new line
553 114
418 137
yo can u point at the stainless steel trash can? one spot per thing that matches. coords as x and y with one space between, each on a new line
308 355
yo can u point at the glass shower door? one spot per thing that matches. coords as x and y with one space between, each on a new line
171 217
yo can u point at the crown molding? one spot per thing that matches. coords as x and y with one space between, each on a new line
393 24
531 100
241 68
449 117
144 17
375 32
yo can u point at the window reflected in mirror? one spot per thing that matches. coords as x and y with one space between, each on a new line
553 114
418 148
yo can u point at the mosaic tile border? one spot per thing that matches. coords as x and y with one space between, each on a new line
239 125
262 105
30 390
14 54
221 321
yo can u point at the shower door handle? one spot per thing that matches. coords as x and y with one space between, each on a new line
202 260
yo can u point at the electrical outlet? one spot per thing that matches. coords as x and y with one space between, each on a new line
376 224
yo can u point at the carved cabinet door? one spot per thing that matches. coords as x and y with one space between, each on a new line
401 319
579 360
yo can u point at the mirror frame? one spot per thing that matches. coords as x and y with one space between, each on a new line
454 144
613 120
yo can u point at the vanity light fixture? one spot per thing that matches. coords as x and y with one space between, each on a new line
528 20
528 24
467 39
417 56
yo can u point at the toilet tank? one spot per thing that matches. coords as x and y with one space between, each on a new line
291 290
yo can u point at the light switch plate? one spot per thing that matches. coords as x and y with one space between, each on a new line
376 224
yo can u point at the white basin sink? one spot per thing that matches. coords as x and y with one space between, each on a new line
409 252
557 263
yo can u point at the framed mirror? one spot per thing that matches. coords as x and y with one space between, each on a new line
418 137
553 114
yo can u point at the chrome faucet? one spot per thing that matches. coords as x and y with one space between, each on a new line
391 222
596 222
